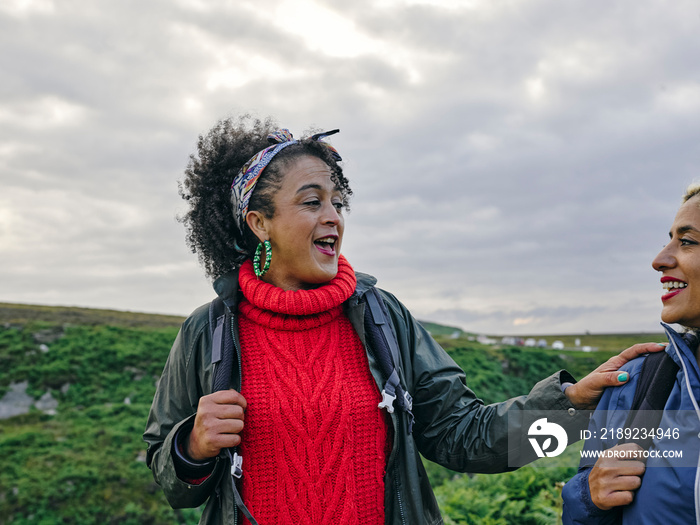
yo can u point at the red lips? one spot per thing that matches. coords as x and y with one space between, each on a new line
674 292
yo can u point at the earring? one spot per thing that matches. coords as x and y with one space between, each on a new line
256 259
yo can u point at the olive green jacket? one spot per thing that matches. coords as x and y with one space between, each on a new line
452 427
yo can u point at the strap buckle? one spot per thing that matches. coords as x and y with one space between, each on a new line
387 402
237 466
408 401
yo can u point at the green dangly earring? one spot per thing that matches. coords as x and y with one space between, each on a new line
256 259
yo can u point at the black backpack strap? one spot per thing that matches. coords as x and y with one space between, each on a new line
216 333
222 364
654 385
385 348
221 345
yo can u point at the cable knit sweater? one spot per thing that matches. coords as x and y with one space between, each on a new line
314 443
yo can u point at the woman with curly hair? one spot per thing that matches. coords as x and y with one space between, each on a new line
304 404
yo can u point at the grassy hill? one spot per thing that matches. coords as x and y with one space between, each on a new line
81 460
437 330
26 313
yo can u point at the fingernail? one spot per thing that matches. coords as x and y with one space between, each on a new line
622 377
662 344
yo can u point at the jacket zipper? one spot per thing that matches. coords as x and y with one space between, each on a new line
398 427
236 348
396 422
234 337
398 495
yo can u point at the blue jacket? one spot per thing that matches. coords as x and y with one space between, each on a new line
670 491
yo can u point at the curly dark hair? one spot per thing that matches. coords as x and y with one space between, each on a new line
211 229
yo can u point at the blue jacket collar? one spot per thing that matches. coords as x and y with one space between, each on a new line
679 347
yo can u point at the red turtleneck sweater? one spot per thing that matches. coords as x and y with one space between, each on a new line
314 444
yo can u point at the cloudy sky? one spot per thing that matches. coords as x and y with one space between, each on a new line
516 164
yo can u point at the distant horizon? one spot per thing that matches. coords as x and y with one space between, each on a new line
422 321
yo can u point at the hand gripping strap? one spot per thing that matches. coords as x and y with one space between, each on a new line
222 364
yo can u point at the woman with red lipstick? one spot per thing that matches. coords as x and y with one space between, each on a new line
266 219
631 484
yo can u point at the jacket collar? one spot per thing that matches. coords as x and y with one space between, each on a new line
226 287
364 283
681 345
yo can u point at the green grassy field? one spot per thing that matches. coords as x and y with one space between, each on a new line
85 463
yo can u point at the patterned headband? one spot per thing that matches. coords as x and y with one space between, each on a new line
246 179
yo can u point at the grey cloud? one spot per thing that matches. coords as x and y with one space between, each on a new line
469 189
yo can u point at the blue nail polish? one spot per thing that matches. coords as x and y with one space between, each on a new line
622 377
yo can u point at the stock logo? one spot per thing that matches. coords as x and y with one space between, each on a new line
543 429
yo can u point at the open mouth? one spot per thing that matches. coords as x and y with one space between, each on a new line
326 245
672 287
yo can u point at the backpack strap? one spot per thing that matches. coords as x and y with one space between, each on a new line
216 334
385 348
221 345
222 364
654 385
